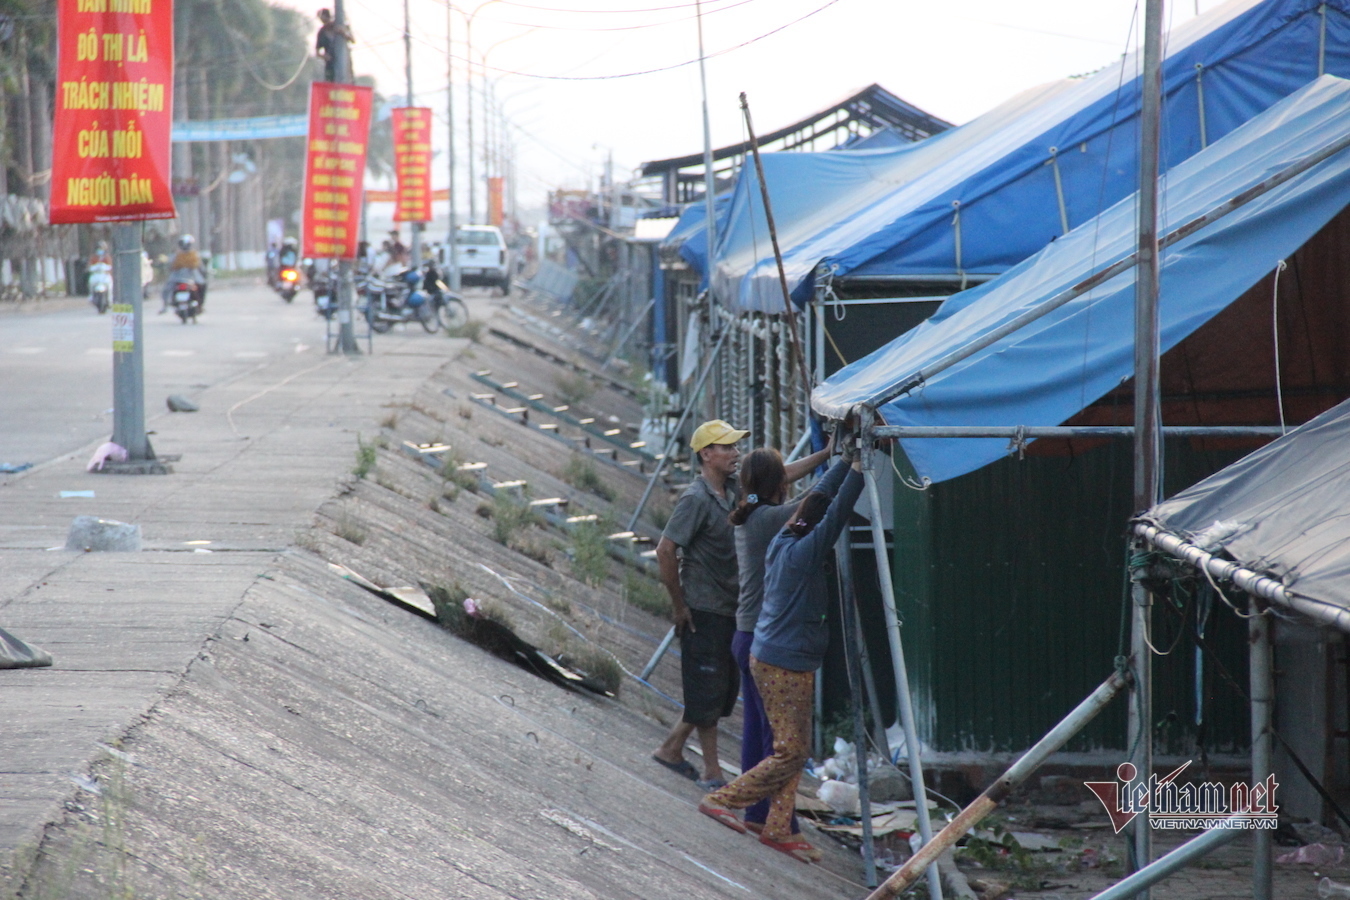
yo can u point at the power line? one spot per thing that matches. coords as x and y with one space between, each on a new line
625 27
602 12
669 68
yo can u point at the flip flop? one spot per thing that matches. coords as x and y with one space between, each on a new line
711 784
723 815
795 847
683 767
754 827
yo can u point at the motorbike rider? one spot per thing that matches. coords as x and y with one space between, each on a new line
289 257
186 267
100 268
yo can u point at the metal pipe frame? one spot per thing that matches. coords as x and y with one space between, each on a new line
1179 858
903 700
995 794
843 554
1245 579
1262 685
1017 432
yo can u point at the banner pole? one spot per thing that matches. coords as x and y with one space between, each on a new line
346 342
128 350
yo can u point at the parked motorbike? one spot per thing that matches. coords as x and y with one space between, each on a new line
399 300
449 306
100 286
288 282
186 298
325 297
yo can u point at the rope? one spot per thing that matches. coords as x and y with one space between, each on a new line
1275 339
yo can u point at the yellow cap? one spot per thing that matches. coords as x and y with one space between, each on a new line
714 432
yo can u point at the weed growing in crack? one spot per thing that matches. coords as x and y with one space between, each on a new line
646 594
365 458
589 553
581 474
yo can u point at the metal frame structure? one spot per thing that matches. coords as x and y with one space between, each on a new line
870 110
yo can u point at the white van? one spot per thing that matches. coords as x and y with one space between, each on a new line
483 257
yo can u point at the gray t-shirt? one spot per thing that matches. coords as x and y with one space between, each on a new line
752 543
699 527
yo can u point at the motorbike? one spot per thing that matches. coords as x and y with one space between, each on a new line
399 300
288 282
449 306
186 297
325 297
100 286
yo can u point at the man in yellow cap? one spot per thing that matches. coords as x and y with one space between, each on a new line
697 558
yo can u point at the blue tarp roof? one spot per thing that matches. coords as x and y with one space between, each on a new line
1250 53
1058 365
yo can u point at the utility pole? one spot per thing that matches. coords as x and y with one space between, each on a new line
450 146
1147 434
709 178
129 362
416 227
343 68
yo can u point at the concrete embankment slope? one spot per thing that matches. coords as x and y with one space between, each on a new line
243 723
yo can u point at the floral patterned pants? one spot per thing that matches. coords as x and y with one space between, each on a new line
788 701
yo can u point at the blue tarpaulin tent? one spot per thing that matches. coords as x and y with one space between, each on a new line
981 198
1050 369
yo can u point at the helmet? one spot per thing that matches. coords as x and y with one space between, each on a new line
186 241
289 242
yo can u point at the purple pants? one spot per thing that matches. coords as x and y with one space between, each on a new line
756 735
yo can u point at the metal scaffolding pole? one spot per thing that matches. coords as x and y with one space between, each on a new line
903 700
1147 414
1262 685
843 554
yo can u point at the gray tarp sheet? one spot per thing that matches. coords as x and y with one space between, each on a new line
1284 509
15 654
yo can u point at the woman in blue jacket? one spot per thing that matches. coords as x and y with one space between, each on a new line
789 645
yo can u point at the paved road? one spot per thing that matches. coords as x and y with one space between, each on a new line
56 365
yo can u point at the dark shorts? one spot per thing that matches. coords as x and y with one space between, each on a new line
711 678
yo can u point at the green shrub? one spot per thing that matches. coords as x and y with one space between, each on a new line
647 595
573 387
365 458
509 516
589 552
581 474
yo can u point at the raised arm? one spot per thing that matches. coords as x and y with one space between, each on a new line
807 464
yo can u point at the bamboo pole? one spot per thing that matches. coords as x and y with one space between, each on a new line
984 804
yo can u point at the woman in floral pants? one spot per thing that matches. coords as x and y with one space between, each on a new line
790 640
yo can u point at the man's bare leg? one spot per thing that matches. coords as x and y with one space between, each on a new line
712 766
672 748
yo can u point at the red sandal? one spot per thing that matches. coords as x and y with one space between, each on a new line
795 846
723 815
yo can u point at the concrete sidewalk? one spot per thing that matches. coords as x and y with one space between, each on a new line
241 723
262 454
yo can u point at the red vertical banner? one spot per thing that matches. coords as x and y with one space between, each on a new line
114 111
494 199
412 163
335 166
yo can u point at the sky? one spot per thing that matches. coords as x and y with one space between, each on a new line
563 72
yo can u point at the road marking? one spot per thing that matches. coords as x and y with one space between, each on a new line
28 351
179 352
249 354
